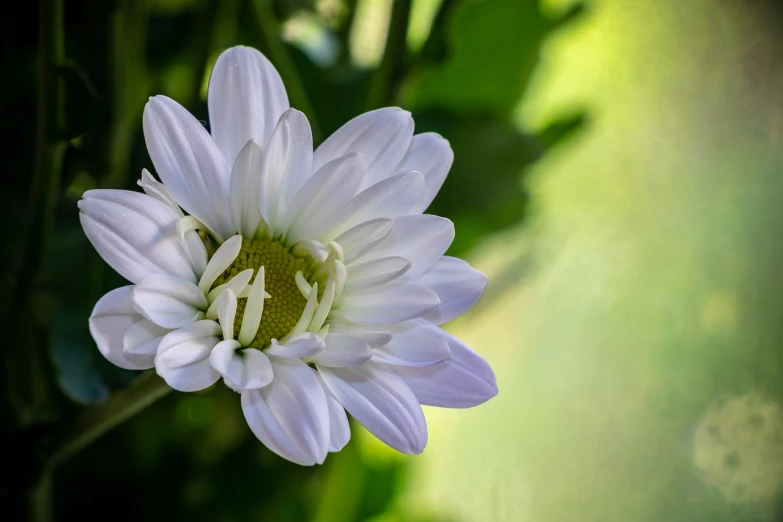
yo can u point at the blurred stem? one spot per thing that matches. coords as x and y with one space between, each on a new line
270 30
49 145
25 373
129 82
385 78
40 500
97 421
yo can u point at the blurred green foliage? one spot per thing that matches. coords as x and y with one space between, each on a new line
79 73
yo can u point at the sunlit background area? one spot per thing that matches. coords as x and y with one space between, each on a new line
618 175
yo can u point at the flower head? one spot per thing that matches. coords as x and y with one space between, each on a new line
309 281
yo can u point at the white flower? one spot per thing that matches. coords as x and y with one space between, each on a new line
310 281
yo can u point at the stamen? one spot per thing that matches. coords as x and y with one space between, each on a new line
337 249
323 331
324 307
307 314
253 310
186 224
237 285
312 248
221 260
340 274
227 310
302 284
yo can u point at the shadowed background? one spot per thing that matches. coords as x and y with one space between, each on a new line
618 175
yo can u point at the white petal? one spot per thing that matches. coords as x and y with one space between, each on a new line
246 369
221 260
111 318
373 337
244 189
364 236
254 308
287 164
391 303
291 415
382 403
339 429
236 284
299 346
196 251
134 233
375 272
431 155
458 285
168 301
226 312
381 136
323 196
389 198
463 380
418 344
421 239
155 189
190 378
183 356
246 98
141 340
343 350
188 162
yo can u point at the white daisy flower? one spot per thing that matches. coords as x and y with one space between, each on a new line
309 281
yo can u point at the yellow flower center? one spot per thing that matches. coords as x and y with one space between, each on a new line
286 305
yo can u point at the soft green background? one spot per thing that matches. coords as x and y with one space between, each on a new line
618 176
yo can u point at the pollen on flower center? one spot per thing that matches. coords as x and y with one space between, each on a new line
286 305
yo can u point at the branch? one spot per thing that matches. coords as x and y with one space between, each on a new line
386 76
97 421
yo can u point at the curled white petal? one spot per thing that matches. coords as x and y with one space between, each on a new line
339 429
246 98
183 356
300 346
221 260
254 308
169 301
364 236
286 165
226 313
134 233
244 188
421 239
111 318
323 196
307 314
382 136
157 190
458 285
236 284
246 369
382 403
290 415
188 162
430 154
141 340
343 350
375 272
390 198
463 380
390 303
415 343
